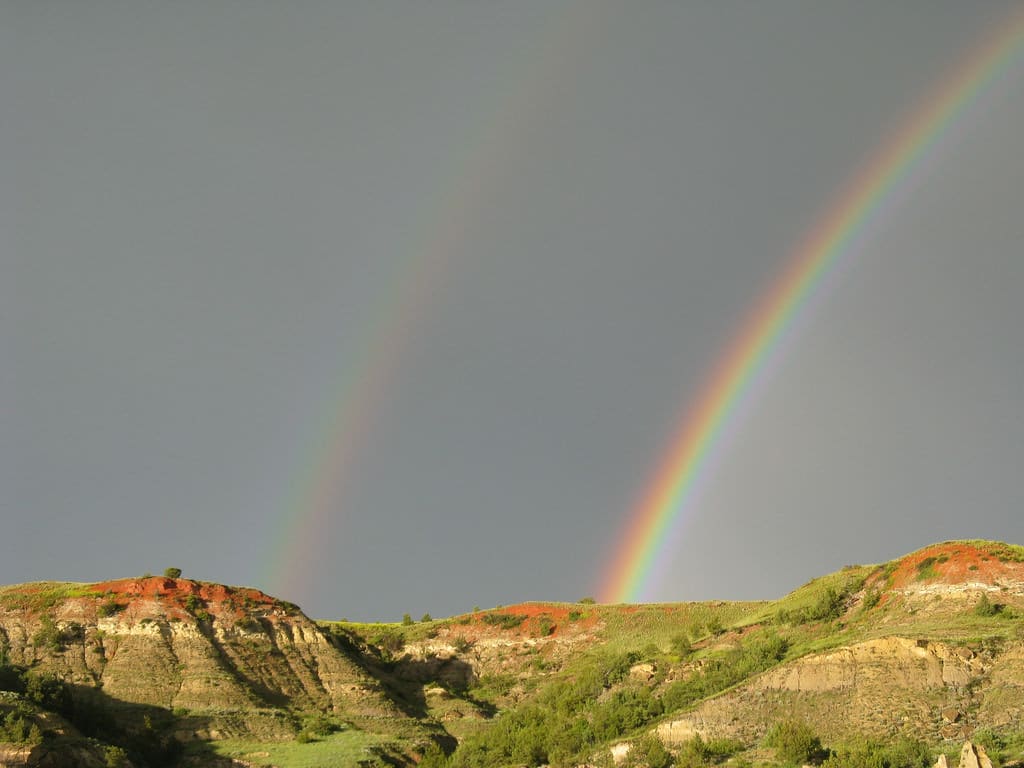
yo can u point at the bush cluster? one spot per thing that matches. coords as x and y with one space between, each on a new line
721 672
503 620
795 743
18 726
567 721
870 753
828 607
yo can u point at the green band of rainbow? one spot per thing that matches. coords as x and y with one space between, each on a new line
670 496
313 510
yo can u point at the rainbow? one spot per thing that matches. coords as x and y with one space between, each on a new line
671 495
313 509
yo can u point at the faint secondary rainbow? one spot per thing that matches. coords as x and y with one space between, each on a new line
642 548
367 376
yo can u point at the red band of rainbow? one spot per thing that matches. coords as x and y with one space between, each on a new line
670 495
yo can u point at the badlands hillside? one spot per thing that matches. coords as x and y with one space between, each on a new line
886 665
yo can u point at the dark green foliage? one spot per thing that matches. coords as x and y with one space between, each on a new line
109 607
871 598
433 757
193 603
503 620
794 742
587 601
427 618
871 753
197 607
389 643
49 692
172 573
18 726
407 620
48 636
545 626
115 757
489 687
625 711
700 752
317 726
926 568
828 607
650 753
985 607
756 655
567 720
249 624
680 645
461 644
1002 746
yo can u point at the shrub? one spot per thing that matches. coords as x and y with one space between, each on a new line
193 603
461 644
49 692
426 618
433 757
17 726
503 620
700 752
406 619
115 757
109 607
680 645
587 600
650 752
985 607
794 742
871 598
869 753
760 652
249 624
320 725
926 569
545 626
172 573
625 711
389 643
48 636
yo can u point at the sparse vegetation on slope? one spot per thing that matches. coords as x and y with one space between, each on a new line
881 664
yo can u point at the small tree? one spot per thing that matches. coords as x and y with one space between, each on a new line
985 607
680 645
172 573
427 618
794 742
406 619
650 751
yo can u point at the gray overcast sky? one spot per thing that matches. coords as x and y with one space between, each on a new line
457 267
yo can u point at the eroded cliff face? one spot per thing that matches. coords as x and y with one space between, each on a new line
238 657
881 687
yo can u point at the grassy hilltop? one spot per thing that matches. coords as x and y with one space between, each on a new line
871 665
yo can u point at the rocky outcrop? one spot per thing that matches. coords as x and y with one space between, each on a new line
973 756
236 656
881 687
890 661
